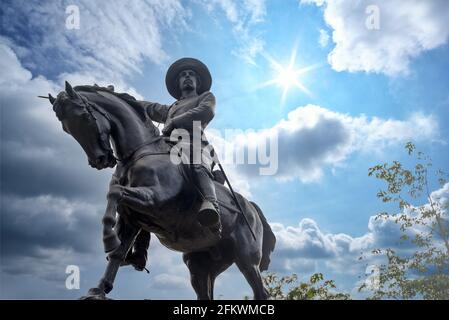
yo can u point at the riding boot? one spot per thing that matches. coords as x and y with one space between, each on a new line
137 256
209 212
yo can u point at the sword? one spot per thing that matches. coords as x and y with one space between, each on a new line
235 197
49 97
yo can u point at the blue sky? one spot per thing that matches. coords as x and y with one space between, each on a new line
380 88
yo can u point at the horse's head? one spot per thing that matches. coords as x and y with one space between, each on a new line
87 124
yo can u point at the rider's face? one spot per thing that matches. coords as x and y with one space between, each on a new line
188 80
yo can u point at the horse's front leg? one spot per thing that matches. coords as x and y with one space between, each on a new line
111 240
141 199
127 234
153 183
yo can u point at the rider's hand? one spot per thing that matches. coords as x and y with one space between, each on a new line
168 128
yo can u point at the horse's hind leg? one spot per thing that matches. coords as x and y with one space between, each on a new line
127 234
248 256
252 275
204 270
199 264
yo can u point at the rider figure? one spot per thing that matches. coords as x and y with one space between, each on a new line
188 80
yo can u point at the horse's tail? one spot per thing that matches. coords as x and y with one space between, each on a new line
268 242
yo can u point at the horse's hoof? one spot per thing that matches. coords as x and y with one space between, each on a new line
94 297
95 294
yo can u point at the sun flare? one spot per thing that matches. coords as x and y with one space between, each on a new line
288 76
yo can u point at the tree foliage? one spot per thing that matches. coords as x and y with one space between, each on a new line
422 270
288 288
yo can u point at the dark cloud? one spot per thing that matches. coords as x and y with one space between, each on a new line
46 222
37 156
51 201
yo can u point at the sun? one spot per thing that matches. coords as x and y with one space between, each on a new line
288 76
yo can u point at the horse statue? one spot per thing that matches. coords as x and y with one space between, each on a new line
149 192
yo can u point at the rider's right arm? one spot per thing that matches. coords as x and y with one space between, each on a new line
157 112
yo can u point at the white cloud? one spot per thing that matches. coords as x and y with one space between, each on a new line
241 12
324 38
243 15
11 66
306 248
230 8
112 41
313 138
249 49
406 30
257 9
307 241
441 196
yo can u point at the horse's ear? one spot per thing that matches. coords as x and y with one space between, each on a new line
51 98
69 90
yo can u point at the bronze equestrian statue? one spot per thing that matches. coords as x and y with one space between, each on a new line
182 204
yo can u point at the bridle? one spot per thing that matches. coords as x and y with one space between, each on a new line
90 107
130 158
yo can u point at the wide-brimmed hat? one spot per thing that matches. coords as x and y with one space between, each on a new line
183 64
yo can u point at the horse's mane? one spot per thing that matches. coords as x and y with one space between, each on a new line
129 99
